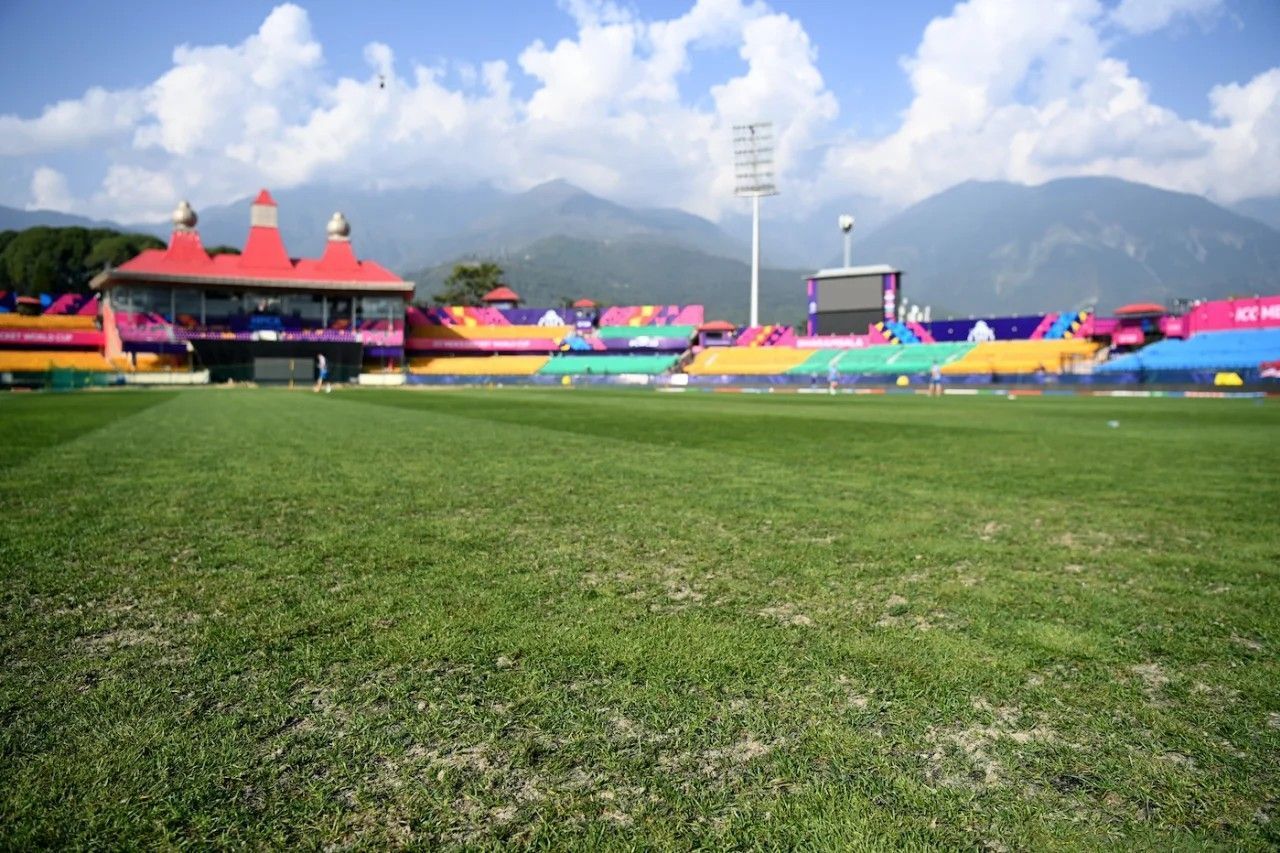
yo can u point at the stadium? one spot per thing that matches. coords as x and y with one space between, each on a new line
179 315
519 583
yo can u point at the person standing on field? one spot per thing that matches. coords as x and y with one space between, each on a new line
322 374
935 380
833 378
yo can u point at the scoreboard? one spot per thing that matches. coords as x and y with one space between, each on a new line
847 301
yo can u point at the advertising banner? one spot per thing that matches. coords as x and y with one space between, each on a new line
1257 313
51 337
985 329
481 345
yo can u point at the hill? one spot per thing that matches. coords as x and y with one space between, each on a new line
411 228
15 219
1265 209
1001 248
551 270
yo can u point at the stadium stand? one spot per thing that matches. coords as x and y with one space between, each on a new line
1021 357
48 321
608 365
1242 350
477 365
489 333
39 361
747 361
626 332
915 358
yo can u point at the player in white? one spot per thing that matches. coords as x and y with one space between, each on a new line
935 380
322 374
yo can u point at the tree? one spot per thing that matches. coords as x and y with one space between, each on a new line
468 282
62 260
223 250
118 248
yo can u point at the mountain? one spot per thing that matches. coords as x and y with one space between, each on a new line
638 271
811 239
1001 248
409 228
1265 209
13 219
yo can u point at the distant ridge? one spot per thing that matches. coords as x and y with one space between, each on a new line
976 248
1002 248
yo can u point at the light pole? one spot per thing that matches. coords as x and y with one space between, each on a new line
846 227
753 166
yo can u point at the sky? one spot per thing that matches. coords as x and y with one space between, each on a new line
118 116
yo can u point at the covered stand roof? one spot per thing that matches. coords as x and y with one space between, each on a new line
584 303
718 326
501 293
264 262
1140 308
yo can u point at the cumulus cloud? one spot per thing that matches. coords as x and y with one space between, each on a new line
1000 89
1004 89
49 190
1145 16
72 123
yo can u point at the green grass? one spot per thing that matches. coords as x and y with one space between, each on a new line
633 620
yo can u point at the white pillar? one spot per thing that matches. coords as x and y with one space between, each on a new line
755 260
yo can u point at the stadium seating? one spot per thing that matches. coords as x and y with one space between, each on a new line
818 362
490 333
1239 350
149 362
477 365
606 365
1021 357
625 332
747 361
914 358
47 321
38 361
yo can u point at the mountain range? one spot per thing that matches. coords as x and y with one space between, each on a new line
977 248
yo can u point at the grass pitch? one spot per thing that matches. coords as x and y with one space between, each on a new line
610 619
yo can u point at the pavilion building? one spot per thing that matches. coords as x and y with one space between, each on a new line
259 315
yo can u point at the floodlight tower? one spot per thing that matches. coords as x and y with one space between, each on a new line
753 166
846 227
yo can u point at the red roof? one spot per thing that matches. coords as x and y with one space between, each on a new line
1141 308
263 262
717 326
584 303
501 293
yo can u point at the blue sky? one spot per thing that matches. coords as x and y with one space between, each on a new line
887 100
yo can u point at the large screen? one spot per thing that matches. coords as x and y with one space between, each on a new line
848 304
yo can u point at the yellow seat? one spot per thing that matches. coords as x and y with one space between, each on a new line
1022 357
47 321
38 361
480 365
747 361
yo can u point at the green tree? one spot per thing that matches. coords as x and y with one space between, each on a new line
468 282
118 248
62 260
223 250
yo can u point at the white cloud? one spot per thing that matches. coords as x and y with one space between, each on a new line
49 191
1145 16
1004 89
1000 89
71 123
